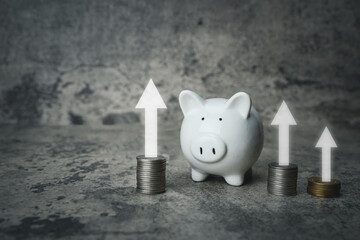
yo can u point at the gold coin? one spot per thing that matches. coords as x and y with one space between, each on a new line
323 189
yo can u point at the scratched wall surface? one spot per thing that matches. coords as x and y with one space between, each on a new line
87 62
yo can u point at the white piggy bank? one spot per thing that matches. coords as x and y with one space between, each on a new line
219 136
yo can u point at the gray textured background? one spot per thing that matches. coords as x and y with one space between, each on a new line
87 62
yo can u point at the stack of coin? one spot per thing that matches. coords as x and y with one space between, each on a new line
323 189
282 180
150 174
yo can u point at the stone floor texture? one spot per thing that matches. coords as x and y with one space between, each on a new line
78 182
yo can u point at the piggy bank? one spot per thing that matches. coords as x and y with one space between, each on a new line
220 136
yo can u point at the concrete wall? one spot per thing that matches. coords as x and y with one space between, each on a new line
87 62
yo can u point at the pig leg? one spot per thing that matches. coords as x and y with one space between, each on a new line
198 176
235 179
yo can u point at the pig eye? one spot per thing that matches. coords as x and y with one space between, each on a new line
220 119
203 118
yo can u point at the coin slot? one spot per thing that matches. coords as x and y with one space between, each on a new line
213 150
201 150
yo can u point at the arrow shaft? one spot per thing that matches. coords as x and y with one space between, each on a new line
284 145
326 164
150 132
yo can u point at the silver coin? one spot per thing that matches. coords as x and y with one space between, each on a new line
150 192
146 180
147 191
159 172
155 166
155 189
142 169
282 180
142 183
150 174
150 177
153 185
151 188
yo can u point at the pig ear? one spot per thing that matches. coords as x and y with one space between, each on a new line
190 101
241 102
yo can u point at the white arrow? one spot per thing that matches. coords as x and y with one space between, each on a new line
283 118
326 142
151 101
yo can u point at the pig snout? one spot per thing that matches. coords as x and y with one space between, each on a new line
208 148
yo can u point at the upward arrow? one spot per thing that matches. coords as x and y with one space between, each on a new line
151 100
284 119
326 142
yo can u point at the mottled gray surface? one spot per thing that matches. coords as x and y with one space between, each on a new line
87 62
77 182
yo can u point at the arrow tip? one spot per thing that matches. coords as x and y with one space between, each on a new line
283 116
326 140
151 97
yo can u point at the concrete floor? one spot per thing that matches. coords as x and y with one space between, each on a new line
77 182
